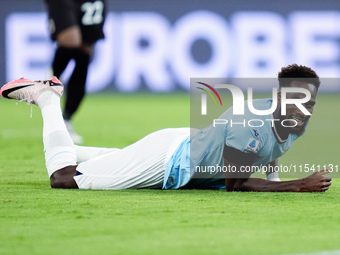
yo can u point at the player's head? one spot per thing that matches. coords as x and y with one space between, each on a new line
300 77
294 72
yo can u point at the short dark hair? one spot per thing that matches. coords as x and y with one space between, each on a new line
302 73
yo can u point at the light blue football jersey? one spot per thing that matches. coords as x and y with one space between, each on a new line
198 159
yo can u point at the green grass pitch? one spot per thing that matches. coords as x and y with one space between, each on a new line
35 219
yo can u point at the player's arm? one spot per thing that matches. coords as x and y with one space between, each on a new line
272 174
238 179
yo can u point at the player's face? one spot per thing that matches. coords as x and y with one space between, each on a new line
294 113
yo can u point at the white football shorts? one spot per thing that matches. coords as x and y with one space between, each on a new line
139 165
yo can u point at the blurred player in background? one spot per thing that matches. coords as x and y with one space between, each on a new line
75 25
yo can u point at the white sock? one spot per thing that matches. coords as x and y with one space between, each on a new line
85 153
58 146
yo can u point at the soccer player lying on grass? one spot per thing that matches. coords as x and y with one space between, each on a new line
162 159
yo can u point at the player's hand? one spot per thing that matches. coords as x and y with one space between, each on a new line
316 182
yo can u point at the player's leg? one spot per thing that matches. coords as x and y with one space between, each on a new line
139 165
75 90
60 156
85 153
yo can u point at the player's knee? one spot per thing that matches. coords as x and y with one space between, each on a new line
57 183
63 178
70 37
87 48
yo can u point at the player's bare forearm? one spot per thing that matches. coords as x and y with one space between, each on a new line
316 183
262 185
241 181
